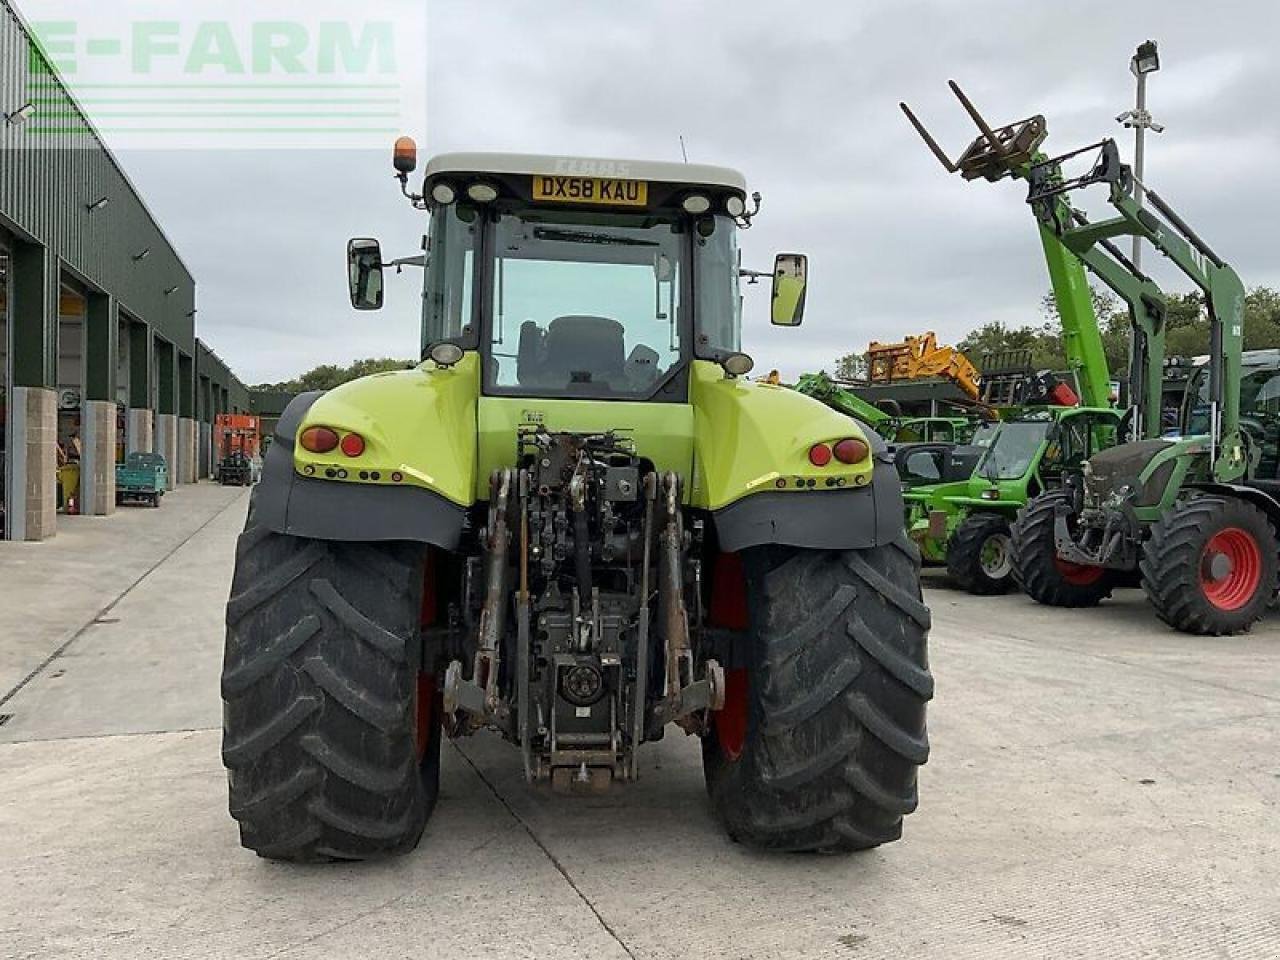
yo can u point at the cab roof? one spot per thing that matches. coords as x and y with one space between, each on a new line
692 174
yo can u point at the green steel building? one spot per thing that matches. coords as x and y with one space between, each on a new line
98 352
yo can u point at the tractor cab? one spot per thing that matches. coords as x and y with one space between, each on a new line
1043 448
580 278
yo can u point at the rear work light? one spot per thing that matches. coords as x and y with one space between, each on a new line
851 450
819 454
353 444
318 439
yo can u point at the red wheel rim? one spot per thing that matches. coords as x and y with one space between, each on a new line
424 694
1078 574
729 612
731 722
1230 568
424 713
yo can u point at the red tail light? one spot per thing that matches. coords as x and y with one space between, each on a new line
353 444
318 439
851 450
819 454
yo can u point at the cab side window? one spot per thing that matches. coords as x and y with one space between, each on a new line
1069 447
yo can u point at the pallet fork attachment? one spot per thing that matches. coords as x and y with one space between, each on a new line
997 153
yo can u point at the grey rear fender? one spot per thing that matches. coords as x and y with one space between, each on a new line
847 519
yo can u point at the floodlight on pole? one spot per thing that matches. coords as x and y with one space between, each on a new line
1145 61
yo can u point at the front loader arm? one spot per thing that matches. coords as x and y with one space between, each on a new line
1223 290
1081 335
1069 236
1013 151
821 387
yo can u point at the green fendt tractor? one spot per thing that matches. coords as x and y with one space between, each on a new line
966 523
1195 515
575 523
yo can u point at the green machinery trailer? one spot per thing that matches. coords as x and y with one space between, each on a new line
142 478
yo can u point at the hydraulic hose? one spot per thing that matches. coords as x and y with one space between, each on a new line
581 539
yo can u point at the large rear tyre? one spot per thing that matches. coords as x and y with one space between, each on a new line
980 555
821 735
1040 572
1209 566
331 731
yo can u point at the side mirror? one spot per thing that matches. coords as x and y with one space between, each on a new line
364 273
790 273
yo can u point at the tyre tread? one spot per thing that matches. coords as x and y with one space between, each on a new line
1034 549
318 732
837 724
1171 571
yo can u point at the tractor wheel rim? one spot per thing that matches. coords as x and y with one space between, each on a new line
1077 574
996 557
423 713
731 721
1230 568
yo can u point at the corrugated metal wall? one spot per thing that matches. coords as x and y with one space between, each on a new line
53 166
211 369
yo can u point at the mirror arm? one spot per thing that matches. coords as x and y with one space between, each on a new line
754 276
419 261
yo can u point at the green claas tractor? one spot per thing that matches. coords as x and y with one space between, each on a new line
575 523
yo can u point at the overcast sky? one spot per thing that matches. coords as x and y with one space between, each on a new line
804 99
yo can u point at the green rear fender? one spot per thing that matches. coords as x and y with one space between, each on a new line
751 437
418 426
429 439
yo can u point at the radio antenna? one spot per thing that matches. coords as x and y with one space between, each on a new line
684 153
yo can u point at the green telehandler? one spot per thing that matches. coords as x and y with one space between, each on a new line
575 523
966 522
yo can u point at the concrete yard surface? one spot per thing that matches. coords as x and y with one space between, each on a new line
1099 786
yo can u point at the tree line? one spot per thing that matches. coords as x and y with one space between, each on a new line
328 375
1186 325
